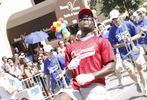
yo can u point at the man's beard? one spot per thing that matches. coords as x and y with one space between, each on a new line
86 31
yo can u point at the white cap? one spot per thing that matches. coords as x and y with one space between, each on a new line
135 14
142 9
47 48
114 14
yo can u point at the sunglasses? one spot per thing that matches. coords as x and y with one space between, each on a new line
86 19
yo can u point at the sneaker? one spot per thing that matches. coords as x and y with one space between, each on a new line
138 88
145 93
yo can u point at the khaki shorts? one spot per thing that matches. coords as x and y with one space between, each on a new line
144 46
92 92
140 60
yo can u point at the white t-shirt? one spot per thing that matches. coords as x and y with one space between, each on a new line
4 85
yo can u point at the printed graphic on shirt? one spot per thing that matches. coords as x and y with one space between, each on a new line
83 53
122 36
53 68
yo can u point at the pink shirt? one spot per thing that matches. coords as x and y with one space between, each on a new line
94 52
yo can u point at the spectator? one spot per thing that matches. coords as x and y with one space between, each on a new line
15 69
5 67
102 30
8 90
61 48
53 69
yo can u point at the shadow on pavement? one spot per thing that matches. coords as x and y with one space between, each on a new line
116 87
135 97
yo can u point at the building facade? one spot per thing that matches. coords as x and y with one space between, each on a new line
7 8
21 17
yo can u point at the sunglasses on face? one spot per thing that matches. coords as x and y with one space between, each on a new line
86 19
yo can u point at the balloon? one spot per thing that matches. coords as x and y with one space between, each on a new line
58 29
59 35
66 35
52 28
94 16
66 22
64 31
58 23
61 19
55 24
94 11
63 25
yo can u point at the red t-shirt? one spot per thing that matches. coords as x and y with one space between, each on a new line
94 52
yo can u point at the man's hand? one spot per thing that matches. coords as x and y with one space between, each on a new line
74 63
84 78
142 34
61 75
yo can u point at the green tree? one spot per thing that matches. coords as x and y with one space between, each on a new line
121 5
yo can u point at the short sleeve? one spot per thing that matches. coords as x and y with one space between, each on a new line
133 30
106 51
111 37
67 56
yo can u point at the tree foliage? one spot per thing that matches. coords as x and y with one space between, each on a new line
121 5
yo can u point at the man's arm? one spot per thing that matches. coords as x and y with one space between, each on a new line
69 73
84 78
107 69
48 84
141 34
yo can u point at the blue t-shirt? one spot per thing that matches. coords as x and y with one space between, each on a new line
54 66
104 35
117 35
141 24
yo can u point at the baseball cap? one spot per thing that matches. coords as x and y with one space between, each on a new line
142 9
84 12
135 14
48 48
114 14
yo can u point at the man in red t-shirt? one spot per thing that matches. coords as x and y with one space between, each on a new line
88 61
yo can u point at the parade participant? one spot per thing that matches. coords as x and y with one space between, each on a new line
54 70
88 61
122 35
135 18
143 25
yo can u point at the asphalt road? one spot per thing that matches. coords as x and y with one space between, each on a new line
128 92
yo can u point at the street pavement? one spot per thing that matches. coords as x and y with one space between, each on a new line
128 92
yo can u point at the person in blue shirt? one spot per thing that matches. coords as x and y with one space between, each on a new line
54 66
142 24
102 30
122 35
